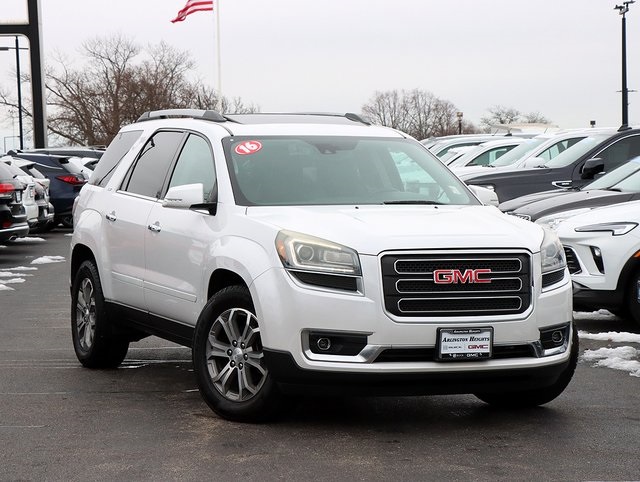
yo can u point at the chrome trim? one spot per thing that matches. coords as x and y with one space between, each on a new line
474 298
427 259
458 291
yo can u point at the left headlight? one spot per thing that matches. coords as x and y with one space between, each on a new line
299 251
551 252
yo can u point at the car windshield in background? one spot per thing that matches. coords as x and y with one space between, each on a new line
577 150
518 152
276 171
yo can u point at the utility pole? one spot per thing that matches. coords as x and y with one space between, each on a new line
622 10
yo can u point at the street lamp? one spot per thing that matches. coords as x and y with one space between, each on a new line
623 9
459 115
17 48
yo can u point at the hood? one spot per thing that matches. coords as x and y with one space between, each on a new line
373 229
573 200
623 212
519 202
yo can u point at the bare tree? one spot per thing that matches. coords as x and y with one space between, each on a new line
508 115
535 118
417 112
120 81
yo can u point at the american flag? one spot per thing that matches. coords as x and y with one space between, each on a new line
191 7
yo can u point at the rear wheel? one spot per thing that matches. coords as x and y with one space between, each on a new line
229 361
540 396
93 340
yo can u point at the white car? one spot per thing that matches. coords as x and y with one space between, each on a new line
602 247
313 253
485 154
29 192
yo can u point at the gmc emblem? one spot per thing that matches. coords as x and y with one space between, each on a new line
451 276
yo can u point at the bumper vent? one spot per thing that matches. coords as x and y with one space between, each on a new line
456 284
572 260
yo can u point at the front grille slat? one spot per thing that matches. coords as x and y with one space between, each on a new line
447 285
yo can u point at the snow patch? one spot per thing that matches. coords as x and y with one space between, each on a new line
595 315
12 281
5 274
621 358
48 259
612 336
5 288
21 268
28 240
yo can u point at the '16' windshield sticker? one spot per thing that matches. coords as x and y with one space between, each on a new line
247 147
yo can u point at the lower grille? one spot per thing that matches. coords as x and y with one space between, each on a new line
456 284
572 260
408 355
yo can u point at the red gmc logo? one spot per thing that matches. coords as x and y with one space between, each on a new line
451 276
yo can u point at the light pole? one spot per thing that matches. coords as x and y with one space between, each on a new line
459 115
17 48
623 9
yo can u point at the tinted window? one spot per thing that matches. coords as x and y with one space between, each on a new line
558 148
150 169
195 165
112 156
620 152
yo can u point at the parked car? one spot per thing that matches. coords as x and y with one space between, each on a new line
45 208
620 185
578 165
304 252
85 165
442 145
603 253
13 218
69 151
66 181
28 190
486 153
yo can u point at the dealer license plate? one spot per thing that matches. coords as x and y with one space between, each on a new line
465 344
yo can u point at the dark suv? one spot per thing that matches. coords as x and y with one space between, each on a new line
66 182
573 168
13 219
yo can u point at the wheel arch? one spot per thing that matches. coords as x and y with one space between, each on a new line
222 278
631 266
79 255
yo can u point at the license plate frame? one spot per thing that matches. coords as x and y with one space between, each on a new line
464 344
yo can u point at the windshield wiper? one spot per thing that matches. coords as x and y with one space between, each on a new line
414 201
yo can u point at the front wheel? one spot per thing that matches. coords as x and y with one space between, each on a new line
93 340
633 297
229 361
539 396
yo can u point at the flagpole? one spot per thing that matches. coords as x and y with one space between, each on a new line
219 61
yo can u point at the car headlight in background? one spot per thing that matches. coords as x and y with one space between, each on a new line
551 252
553 220
616 229
299 251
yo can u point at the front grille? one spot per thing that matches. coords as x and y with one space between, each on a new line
456 284
572 260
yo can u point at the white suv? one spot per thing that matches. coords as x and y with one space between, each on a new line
310 252
603 250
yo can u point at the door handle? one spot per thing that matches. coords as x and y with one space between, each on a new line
111 216
154 227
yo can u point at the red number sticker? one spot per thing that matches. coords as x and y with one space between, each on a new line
248 147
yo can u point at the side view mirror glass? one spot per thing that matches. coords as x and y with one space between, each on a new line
592 167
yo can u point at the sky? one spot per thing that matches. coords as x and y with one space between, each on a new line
559 58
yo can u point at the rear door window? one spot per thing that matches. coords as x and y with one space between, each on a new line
112 157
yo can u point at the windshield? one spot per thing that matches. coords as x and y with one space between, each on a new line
518 152
624 178
574 152
280 171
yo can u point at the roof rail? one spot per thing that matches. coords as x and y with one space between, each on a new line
211 115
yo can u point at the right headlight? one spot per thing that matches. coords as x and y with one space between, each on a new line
551 252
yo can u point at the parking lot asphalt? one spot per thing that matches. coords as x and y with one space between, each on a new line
146 420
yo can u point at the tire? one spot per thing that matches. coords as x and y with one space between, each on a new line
228 359
633 305
67 221
93 340
534 398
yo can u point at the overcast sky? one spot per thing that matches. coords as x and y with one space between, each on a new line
559 58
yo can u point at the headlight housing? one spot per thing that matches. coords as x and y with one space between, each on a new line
302 252
551 252
616 229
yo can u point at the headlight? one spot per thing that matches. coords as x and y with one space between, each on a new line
551 252
302 252
553 220
617 229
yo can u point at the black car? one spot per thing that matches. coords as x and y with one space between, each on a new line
66 182
13 218
573 168
620 185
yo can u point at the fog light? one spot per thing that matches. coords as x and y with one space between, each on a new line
557 337
324 344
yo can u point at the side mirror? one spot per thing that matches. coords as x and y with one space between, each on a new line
591 168
183 197
533 162
486 196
